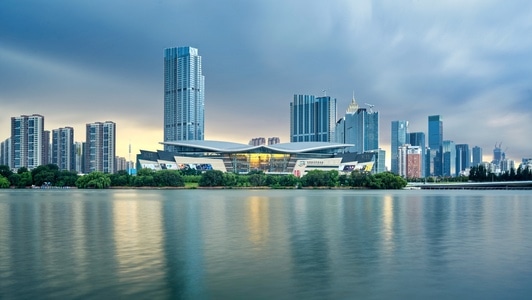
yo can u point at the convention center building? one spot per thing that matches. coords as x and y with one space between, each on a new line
284 158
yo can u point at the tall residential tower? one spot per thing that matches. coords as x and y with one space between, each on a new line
27 141
100 147
184 103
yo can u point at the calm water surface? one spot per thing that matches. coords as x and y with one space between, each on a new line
265 244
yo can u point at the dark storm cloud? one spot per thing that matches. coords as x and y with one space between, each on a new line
468 61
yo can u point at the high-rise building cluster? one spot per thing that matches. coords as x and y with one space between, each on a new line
314 119
30 146
439 157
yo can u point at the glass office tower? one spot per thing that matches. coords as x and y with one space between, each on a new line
184 91
359 127
312 119
435 145
399 138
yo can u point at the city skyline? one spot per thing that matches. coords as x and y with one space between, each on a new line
75 63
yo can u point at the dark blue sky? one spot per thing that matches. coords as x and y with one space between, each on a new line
77 62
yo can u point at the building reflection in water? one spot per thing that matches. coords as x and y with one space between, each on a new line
258 221
138 240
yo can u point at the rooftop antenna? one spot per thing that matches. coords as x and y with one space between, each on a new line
370 107
324 93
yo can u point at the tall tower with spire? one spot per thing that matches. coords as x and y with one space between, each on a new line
359 127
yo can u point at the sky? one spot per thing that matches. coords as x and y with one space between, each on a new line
78 62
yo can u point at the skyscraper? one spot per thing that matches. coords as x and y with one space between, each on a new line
463 157
477 156
435 144
359 127
418 139
312 119
63 150
184 91
100 147
399 138
27 141
449 158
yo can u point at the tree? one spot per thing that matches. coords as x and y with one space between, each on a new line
66 178
25 179
4 182
168 178
120 178
5 171
94 180
211 178
288 180
45 174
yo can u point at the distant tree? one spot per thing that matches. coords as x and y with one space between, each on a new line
230 179
4 182
168 178
22 170
66 178
5 171
211 178
94 180
45 174
120 178
25 179
289 180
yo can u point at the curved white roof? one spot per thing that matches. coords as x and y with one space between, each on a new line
221 146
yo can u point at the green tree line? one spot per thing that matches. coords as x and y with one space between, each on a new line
50 175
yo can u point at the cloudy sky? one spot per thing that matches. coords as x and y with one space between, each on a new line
77 62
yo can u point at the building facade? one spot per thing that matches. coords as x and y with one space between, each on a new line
27 141
184 93
409 161
477 156
63 149
100 147
359 127
312 119
449 159
399 138
435 145
463 158
418 139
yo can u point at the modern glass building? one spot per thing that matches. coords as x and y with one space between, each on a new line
283 158
477 156
100 147
312 119
27 141
184 92
463 157
418 139
359 127
435 144
449 158
399 138
63 149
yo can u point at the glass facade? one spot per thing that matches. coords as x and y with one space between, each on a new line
399 138
184 104
312 119
436 142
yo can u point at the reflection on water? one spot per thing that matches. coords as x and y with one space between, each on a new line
264 244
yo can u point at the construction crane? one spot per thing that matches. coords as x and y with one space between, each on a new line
370 107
